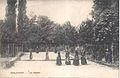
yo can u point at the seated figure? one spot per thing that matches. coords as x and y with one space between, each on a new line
67 59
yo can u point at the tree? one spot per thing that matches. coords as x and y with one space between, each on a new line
11 15
1 35
86 33
66 34
102 31
22 20
70 34
39 31
106 24
21 14
9 28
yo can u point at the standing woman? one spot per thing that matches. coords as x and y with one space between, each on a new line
58 61
76 59
83 59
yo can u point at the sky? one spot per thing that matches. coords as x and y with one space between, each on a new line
59 11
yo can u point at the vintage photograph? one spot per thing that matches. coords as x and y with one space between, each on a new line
59 38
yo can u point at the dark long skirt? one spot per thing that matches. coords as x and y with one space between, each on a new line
76 61
83 61
58 61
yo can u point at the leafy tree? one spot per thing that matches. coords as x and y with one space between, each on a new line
9 27
1 35
102 31
39 30
66 34
106 25
22 20
86 33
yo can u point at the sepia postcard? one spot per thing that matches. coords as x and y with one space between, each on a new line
59 38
